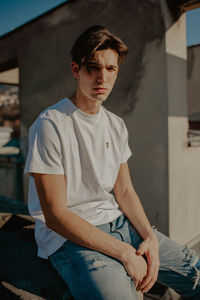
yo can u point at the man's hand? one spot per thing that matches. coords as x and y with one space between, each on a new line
135 266
149 247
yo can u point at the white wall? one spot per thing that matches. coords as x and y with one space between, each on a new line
184 183
184 161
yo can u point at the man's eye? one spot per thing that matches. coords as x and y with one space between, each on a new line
111 69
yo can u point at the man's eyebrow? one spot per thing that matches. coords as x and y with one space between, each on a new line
93 63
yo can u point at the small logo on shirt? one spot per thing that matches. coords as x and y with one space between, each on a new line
107 145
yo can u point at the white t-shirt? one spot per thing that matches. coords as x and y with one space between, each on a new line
88 149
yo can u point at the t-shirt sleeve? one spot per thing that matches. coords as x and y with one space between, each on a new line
126 152
45 149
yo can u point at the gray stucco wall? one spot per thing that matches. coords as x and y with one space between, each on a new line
140 95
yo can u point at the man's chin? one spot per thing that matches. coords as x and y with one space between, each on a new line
100 98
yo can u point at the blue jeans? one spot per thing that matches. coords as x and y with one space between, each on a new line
91 275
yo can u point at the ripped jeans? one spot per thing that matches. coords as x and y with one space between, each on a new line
91 275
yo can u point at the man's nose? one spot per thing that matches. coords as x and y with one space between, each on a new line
102 75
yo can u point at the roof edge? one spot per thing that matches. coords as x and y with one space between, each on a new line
192 46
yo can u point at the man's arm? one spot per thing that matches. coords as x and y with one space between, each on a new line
131 206
52 194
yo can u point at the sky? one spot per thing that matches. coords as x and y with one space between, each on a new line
14 13
193 26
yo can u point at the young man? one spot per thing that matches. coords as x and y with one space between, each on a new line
101 244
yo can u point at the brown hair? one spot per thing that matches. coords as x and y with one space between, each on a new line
93 39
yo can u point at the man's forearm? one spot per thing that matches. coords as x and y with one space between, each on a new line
132 208
81 232
85 234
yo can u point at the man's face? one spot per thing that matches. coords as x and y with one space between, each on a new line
96 80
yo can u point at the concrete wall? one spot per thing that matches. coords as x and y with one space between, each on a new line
42 48
143 94
184 167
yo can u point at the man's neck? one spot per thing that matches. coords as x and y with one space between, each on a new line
86 105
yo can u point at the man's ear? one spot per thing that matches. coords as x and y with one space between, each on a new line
75 69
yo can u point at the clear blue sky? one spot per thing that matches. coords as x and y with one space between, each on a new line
14 13
193 27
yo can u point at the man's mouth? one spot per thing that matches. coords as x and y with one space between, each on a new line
100 89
